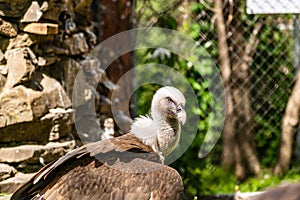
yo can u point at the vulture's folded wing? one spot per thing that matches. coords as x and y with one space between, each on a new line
119 168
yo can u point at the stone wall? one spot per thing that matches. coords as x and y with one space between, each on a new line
43 44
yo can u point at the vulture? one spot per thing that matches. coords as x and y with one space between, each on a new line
287 192
126 167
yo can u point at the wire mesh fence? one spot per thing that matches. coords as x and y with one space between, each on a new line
261 55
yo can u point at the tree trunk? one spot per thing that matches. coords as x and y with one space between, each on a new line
242 102
289 125
244 134
228 130
238 139
114 17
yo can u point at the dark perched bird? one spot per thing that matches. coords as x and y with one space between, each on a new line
287 192
126 167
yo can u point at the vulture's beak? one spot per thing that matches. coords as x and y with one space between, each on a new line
181 114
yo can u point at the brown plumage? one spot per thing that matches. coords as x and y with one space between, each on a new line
119 168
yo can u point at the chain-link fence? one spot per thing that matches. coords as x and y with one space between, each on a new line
268 79
260 62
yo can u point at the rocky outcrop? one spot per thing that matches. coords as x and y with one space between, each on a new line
6 171
43 46
35 153
12 184
22 104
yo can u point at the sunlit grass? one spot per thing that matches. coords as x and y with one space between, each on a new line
221 182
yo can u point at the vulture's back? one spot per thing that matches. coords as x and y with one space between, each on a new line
120 168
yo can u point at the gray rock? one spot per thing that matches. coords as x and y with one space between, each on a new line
12 184
56 95
70 68
41 28
22 104
32 153
76 44
52 10
6 171
5 196
19 68
94 74
44 6
88 128
62 122
83 92
33 13
22 40
3 71
59 124
25 132
50 48
8 29
47 60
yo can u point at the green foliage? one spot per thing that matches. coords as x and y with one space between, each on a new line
196 172
203 177
271 75
269 181
192 168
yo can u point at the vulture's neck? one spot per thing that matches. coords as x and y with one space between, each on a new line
162 134
168 133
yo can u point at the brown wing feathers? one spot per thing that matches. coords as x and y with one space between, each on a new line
126 167
116 184
82 170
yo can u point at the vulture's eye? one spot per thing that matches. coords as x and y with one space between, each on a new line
169 99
